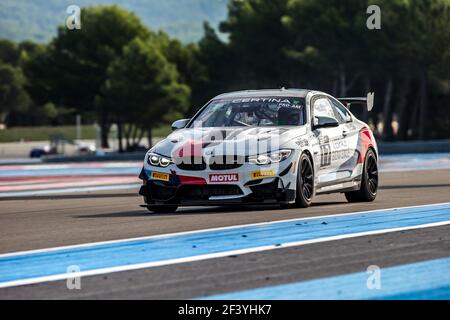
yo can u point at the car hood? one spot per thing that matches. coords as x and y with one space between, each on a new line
227 141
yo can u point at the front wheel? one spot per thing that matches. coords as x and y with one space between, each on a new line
305 182
369 181
162 209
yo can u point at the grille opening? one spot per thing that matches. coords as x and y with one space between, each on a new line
217 166
162 192
203 192
191 163
226 162
266 190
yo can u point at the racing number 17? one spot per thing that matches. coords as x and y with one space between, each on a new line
325 155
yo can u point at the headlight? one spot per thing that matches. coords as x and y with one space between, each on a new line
157 160
268 158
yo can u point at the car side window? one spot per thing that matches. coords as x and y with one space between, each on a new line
323 108
342 114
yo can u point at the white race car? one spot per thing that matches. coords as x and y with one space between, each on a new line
260 147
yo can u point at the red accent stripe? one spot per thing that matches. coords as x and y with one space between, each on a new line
366 143
191 180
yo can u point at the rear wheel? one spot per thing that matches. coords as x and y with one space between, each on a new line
369 181
305 182
162 209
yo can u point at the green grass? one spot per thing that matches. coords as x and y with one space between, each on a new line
69 132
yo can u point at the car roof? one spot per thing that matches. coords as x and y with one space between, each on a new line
300 93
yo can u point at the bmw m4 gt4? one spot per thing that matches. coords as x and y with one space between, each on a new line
260 147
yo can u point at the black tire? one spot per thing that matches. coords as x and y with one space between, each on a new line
305 182
369 181
162 209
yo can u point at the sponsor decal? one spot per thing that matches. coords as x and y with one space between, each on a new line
340 144
302 143
325 155
160 176
269 100
231 177
262 174
339 155
324 139
284 104
340 151
335 151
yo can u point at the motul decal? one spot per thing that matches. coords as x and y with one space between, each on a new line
232 177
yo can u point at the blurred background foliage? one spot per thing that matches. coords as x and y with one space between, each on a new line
116 70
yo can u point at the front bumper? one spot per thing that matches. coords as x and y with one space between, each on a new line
213 194
188 188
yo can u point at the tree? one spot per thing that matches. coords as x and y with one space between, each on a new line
143 90
327 36
428 45
396 61
257 38
9 52
190 69
77 60
387 61
12 93
220 69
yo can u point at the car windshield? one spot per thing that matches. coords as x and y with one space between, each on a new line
249 112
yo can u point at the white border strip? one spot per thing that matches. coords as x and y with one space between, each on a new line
162 236
210 256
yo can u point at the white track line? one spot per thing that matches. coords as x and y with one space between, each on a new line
209 256
161 236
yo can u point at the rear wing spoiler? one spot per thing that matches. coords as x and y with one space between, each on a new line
368 101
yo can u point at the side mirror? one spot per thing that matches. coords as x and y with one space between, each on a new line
325 122
180 124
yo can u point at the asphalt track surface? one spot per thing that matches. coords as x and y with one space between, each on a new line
39 222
